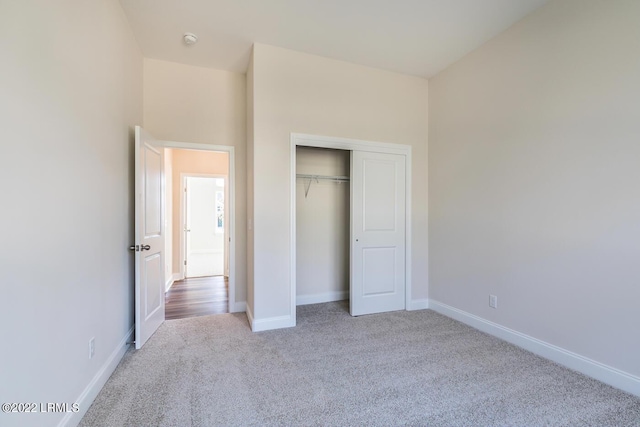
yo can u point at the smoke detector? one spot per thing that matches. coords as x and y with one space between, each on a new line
190 39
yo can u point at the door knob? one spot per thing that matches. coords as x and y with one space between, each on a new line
145 247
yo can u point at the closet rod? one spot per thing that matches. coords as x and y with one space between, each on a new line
325 177
317 178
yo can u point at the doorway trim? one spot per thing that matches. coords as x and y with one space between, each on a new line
183 219
234 306
317 141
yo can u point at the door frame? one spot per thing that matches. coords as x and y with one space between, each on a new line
183 218
234 307
317 141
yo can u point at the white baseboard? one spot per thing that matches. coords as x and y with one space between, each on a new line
171 280
93 388
249 316
269 323
323 297
418 304
607 374
239 307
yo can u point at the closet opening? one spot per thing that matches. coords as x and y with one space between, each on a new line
322 218
350 224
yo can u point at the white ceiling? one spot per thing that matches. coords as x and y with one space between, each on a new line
417 37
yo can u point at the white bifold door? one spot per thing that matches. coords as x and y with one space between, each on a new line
149 237
378 185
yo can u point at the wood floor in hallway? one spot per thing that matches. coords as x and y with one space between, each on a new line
198 296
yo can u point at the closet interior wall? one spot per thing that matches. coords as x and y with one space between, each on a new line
322 226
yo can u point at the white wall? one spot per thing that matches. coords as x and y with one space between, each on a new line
297 92
533 180
250 181
201 105
71 93
322 227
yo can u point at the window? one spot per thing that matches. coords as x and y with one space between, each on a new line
219 206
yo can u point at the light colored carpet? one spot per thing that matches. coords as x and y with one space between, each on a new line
401 368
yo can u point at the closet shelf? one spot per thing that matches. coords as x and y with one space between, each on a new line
317 178
324 177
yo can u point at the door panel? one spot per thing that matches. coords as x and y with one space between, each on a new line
378 271
149 242
378 232
378 212
152 191
153 274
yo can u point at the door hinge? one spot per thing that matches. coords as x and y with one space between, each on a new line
185 262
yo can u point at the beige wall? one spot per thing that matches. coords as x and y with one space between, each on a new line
322 227
296 92
533 180
200 105
250 180
190 162
71 85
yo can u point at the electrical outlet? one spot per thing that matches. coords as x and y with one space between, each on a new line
92 347
493 301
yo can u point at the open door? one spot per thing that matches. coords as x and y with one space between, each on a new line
204 226
149 234
378 185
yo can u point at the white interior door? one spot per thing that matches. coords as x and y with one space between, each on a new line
225 223
149 234
377 232
204 228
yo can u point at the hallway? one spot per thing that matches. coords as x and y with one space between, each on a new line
199 296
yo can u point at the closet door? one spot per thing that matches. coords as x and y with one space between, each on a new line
377 233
